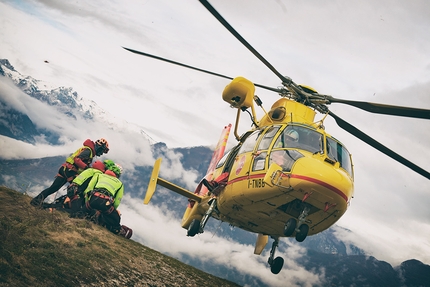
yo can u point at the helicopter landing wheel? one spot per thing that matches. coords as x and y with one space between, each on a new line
302 233
290 227
194 228
277 265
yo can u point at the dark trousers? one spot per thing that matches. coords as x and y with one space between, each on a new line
109 216
75 204
64 175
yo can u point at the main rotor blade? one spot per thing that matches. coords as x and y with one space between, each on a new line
194 68
370 141
242 40
386 109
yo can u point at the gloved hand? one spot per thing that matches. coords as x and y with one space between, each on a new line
72 190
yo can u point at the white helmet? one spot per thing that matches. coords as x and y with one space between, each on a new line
292 135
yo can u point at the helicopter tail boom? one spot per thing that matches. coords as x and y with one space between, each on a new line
154 180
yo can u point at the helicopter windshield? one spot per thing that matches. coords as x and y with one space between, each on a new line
263 138
268 137
250 142
300 138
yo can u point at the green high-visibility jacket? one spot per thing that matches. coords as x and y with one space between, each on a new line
110 183
83 179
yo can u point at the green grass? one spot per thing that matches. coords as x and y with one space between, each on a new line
42 248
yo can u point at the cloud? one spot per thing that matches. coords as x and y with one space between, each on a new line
158 228
135 147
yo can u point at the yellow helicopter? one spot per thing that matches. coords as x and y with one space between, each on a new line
286 177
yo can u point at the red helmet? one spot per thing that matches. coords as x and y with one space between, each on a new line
99 165
111 173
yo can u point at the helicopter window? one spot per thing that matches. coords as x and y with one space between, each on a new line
285 158
337 152
301 138
228 159
223 159
267 138
259 161
250 142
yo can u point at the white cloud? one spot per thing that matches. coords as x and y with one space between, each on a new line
155 228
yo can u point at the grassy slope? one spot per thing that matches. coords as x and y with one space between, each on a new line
39 248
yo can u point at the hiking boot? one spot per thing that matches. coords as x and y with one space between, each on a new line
78 214
37 201
125 232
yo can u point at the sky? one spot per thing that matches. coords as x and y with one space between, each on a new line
373 51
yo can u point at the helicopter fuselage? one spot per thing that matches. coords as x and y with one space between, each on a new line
262 200
283 169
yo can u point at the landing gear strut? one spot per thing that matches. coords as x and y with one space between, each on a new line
275 263
303 229
299 226
197 226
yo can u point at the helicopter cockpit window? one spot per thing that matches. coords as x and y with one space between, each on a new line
223 159
285 158
338 153
250 142
300 138
267 138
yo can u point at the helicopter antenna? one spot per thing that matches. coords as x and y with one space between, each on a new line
259 103
252 118
320 123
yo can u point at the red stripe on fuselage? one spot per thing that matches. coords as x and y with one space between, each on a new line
302 177
245 178
322 183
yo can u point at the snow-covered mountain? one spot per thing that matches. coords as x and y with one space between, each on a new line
65 100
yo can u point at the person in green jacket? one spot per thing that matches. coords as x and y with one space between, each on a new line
75 191
103 194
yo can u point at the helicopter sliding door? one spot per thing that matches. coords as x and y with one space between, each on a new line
250 163
261 151
245 155
252 155
243 198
